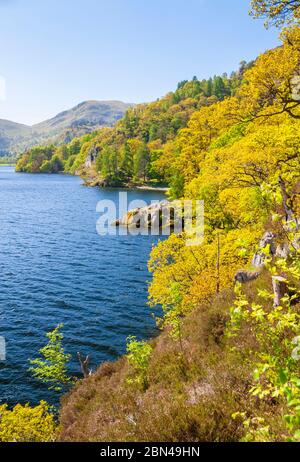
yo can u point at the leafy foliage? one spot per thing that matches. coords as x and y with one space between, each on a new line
278 12
241 156
276 330
52 369
138 355
27 424
131 150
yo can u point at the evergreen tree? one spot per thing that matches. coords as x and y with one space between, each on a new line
209 87
127 160
141 164
219 88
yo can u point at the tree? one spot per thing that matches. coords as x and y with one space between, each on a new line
181 84
46 167
209 87
275 358
138 356
33 159
52 367
273 83
158 121
56 164
103 163
63 152
276 12
219 88
74 147
127 160
141 162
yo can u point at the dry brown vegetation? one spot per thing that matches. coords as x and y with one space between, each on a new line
191 393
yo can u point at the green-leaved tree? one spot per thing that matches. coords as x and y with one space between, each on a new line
51 368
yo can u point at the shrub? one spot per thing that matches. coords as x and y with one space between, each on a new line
27 424
138 355
52 369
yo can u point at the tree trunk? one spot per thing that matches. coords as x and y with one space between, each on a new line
289 214
218 265
279 288
84 364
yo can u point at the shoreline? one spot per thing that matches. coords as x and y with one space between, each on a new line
164 189
95 184
131 186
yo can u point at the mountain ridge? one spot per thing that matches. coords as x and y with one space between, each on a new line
83 118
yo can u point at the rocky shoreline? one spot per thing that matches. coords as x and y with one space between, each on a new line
93 180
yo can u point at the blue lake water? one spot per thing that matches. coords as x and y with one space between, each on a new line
55 268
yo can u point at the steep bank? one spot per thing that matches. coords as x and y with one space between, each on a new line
191 392
226 366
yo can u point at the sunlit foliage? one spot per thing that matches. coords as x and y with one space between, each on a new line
51 368
27 424
278 12
276 356
130 152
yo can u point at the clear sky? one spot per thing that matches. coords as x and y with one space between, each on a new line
56 53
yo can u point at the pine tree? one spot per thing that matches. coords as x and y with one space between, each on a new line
142 159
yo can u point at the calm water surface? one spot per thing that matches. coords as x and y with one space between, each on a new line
55 268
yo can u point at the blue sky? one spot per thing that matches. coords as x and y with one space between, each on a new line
57 53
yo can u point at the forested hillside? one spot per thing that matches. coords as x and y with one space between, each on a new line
131 151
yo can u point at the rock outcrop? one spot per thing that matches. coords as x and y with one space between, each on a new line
157 216
259 258
276 249
244 276
280 289
90 158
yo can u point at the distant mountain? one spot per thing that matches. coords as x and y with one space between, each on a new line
11 134
84 118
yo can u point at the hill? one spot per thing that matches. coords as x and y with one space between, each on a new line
89 114
11 133
82 119
130 152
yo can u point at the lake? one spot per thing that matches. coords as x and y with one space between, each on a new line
55 268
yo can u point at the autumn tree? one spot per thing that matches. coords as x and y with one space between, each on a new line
273 84
276 12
